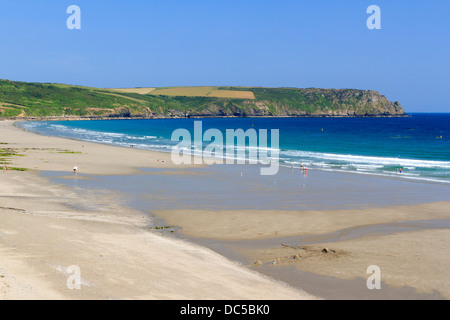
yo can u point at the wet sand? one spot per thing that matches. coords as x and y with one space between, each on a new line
395 216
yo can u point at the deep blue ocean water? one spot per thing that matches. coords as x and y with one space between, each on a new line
419 145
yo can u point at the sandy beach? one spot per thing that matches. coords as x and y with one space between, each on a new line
46 227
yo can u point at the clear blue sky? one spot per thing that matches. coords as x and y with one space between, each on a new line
292 43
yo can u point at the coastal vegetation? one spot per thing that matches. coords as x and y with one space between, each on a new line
25 100
6 154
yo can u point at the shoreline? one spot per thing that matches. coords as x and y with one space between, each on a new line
386 175
110 160
87 118
45 228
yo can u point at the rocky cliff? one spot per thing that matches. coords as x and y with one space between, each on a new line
291 102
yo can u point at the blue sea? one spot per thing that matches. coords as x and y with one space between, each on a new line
419 145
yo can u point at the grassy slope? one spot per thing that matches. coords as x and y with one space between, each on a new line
39 99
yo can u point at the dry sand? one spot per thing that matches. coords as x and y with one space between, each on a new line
59 154
44 229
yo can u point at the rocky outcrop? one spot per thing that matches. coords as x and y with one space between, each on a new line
307 103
